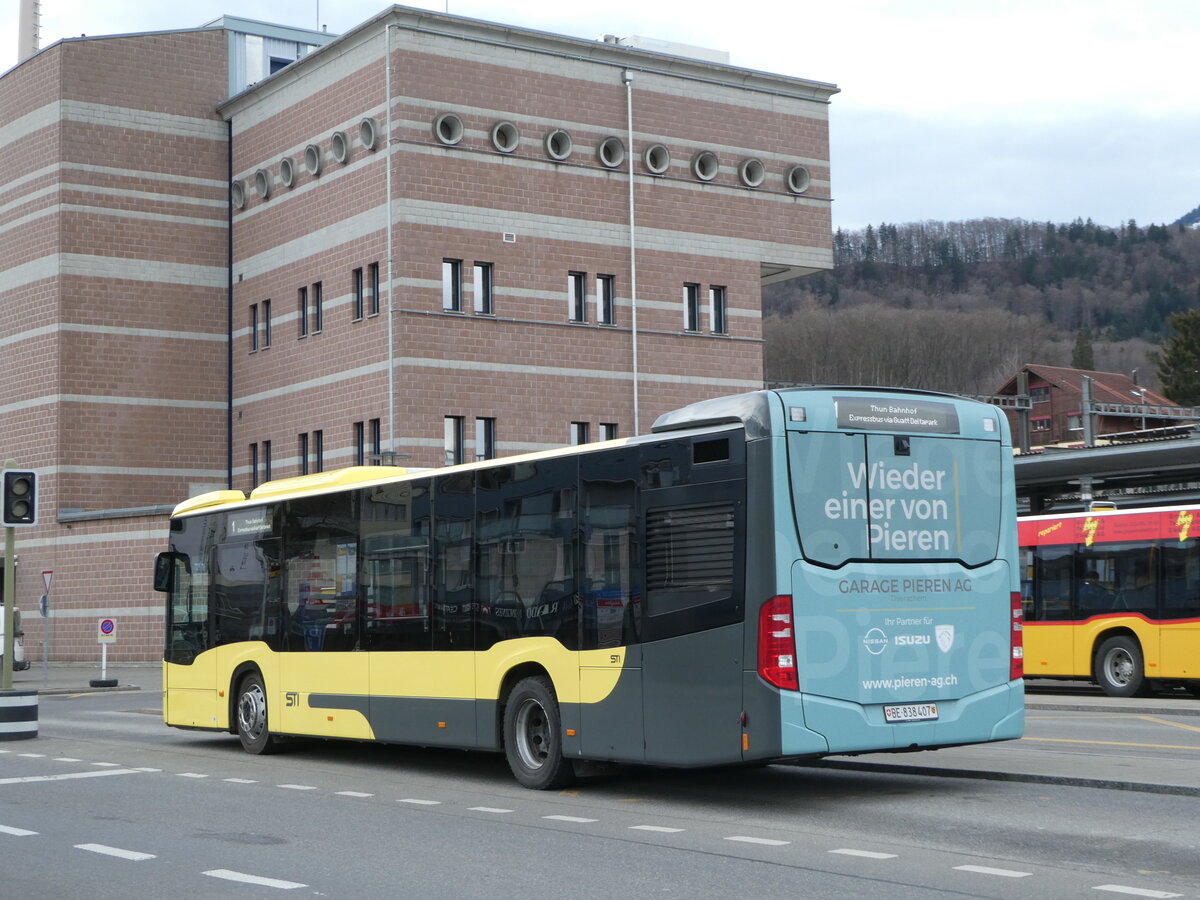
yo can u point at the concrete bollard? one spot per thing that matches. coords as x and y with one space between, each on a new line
18 715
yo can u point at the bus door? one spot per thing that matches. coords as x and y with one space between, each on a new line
323 678
899 596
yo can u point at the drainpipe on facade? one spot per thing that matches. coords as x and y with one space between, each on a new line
229 314
627 77
391 372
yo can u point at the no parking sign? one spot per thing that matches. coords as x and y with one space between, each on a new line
106 632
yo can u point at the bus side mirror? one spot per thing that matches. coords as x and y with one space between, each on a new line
164 572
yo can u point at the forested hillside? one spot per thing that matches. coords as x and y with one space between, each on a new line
960 306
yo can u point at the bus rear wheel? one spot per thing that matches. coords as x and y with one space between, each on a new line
1119 668
252 716
533 736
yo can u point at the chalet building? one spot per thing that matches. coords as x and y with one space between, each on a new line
242 251
1056 394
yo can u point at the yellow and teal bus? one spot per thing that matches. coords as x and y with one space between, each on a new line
777 575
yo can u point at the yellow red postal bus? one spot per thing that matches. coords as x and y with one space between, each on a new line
1113 596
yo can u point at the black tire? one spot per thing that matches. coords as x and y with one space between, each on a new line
533 736
1119 668
251 710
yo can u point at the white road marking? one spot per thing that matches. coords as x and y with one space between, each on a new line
15 832
241 781
662 829
132 855
865 854
353 794
988 870
66 759
416 802
489 809
106 765
67 776
146 769
254 879
32 755
297 787
576 819
766 842
1136 892
191 775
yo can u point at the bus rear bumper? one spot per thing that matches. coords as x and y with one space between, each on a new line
993 714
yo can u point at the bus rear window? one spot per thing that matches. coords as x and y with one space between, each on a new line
872 497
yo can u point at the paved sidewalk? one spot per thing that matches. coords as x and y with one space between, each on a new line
77 678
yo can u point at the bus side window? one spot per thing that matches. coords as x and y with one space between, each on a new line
1181 580
1052 584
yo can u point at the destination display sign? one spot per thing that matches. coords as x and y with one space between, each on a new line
896 414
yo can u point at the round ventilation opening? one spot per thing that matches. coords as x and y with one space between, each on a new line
657 159
752 172
339 146
312 159
705 165
368 133
798 179
558 144
287 171
505 137
448 128
611 152
262 183
237 195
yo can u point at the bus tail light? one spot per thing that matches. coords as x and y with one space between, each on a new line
1017 667
777 644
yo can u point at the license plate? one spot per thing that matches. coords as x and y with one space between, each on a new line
910 712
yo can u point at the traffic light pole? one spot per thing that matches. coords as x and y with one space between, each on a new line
9 605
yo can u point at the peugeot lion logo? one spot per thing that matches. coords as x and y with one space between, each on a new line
945 637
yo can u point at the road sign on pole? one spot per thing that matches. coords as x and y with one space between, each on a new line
106 632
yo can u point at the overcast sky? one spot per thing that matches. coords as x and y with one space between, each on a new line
949 109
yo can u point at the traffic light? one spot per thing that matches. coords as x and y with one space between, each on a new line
20 497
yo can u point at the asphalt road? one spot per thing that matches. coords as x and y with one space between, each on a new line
107 802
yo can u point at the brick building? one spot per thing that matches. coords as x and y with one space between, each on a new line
430 239
1056 395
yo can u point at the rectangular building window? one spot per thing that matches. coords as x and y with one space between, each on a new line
302 310
376 441
318 317
452 285
318 451
453 440
577 296
360 444
356 293
606 313
266 325
266 461
1039 394
302 452
485 438
481 281
608 431
253 327
579 433
253 466
716 309
373 289
691 307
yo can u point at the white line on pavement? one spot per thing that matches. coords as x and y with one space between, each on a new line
132 855
254 879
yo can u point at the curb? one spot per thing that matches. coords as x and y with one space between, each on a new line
1025 778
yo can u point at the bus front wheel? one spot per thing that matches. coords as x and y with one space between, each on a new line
533 736
1119 668
252 716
